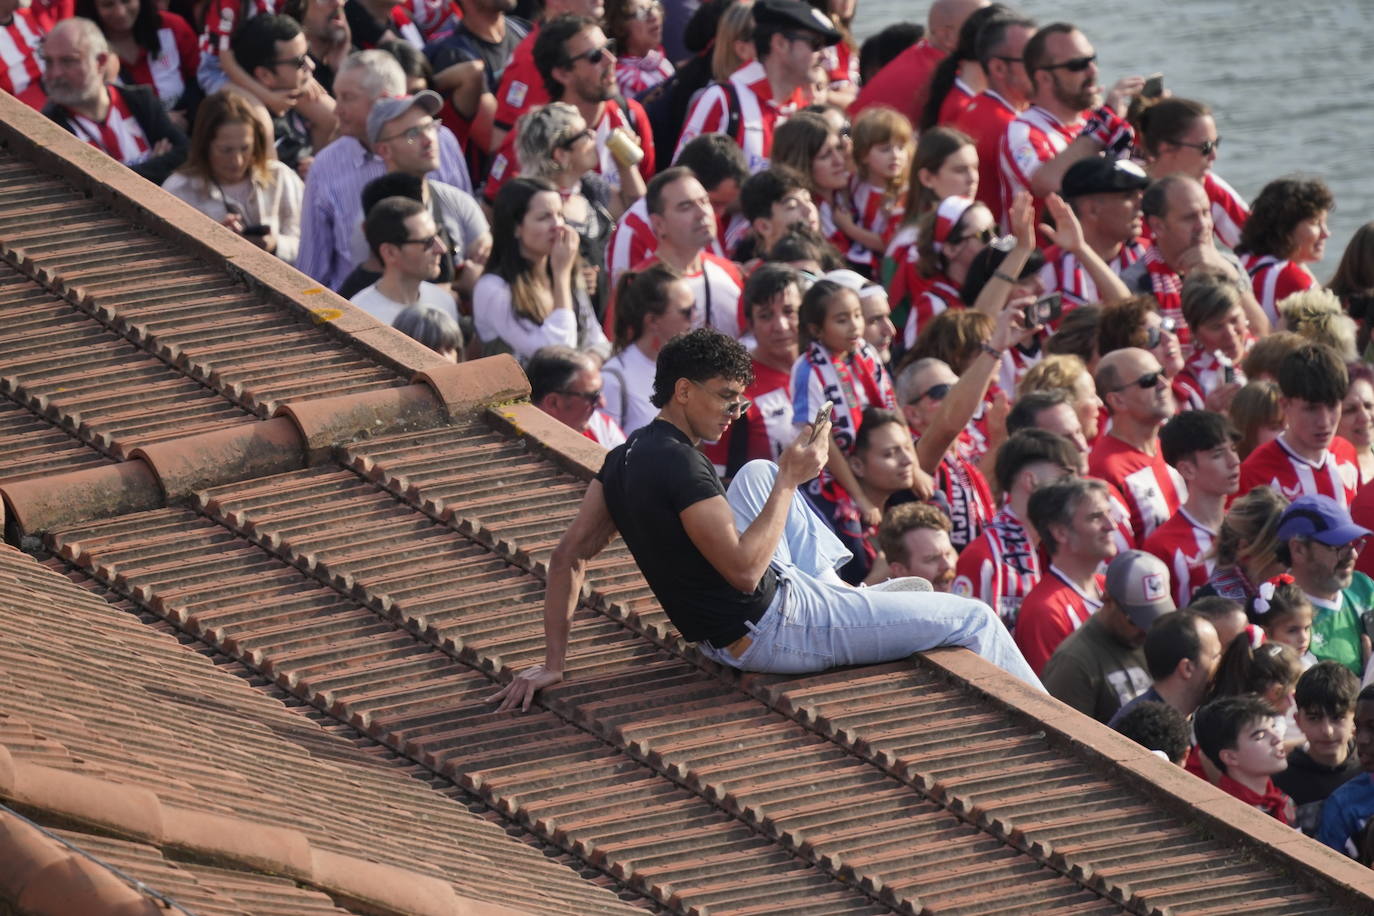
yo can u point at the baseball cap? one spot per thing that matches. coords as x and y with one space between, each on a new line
1096 175
1321 519
1139 583
797 15
388 107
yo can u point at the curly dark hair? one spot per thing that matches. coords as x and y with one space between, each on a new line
1157 727
698 355
1274 215
1122 323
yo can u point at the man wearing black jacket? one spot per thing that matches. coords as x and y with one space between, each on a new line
126 122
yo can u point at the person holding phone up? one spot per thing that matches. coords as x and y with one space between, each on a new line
749 574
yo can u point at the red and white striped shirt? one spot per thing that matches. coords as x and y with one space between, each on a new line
1229 210
841 64
1183 544
966 494
1053 609
1276 465
632 240
1000 567
759 114
874 210
603 430
432 17
638 74
986 120
928 296
48 13
1275 280
120 136
223 18
825 211
22 75
1202 373
1153 490
1064 273
1033 138
173 69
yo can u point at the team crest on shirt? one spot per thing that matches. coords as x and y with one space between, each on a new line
1154 587
515 96
962 586
1290 493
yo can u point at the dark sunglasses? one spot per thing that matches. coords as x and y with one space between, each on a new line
1147 381
983 235
1154 335
1206 148
594 56
591 397
934 392
570 142
811 38
1073 65
426 242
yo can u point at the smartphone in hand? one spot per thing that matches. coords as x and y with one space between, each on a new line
822 414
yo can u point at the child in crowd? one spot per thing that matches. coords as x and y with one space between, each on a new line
654 306
1325 701
882 159
1159 728
1285 615
839 366
1241 737
1347 811
1269 672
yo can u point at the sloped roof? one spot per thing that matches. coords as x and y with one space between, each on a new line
227 452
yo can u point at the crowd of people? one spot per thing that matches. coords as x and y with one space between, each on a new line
1071 373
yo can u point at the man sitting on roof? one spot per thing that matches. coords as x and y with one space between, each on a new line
750 575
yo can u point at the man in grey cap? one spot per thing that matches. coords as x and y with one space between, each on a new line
1105 196
1101 666
788 37
1319 542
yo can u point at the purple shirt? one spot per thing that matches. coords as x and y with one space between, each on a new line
333 205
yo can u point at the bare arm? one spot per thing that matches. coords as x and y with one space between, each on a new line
589 534
992 298
741 559
1067 233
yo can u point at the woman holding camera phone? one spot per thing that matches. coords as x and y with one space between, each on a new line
231 177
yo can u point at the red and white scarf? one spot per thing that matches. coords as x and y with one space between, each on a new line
119 135
842 379
1167 287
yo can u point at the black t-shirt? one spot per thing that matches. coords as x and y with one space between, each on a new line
648 482
1309 783
460 45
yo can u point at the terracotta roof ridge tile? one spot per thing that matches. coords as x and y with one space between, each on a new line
137 813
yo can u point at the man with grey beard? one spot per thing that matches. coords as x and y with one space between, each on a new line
125 122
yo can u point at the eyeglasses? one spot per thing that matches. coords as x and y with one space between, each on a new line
648 11
811 38
570 142
733 408
593 56
299 63
1206 147
1009 60
1073 64
426 242
412 135
591 397
983 235
1156 334
934 392
1146 381
1341 550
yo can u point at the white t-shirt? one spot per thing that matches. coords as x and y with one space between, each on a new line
494 316
627 381
385 310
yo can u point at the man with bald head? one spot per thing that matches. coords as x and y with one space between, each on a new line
125 122
1127 456
904 84
1178 214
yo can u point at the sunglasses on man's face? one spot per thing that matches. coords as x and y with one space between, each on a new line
1146 381
934 392
593 56
1074 64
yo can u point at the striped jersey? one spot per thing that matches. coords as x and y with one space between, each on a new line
759 114
1275 464
1000 567
1183 544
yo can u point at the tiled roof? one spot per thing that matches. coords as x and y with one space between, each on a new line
375 554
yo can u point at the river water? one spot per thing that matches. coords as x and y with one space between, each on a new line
1290 84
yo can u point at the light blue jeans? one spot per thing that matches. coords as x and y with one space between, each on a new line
817 622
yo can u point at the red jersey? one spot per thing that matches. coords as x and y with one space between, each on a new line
22 74
223 18
1033 138
925 297
1229 212
634 75
958 98
1053 609
632 240
766 425
1064 273
759 114
873 209
48 13
903 84
173 69
1202 373
985 120
1183 544
841 65
521 86
1152 489
965 490
825 212
603 430
119 136
1000 567
1275 280
1276 465
1362 512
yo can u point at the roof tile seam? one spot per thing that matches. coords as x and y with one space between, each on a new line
347 586
925 786
168 354
144 597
